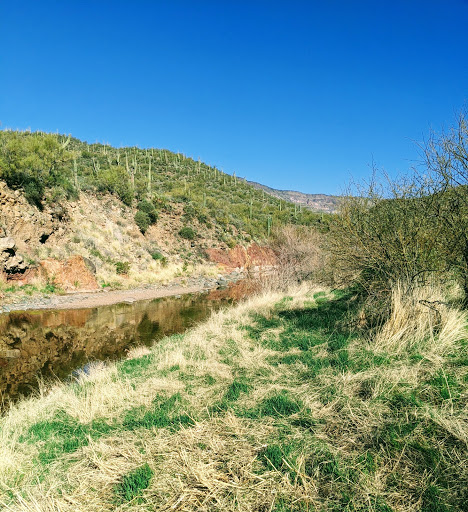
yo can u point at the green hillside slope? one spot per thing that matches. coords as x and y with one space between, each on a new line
51 168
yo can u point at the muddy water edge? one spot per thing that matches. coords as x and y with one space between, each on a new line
51 344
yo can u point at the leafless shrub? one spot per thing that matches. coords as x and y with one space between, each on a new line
300 255
409 230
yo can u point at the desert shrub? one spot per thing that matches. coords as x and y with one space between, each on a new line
149 209
115 180
190 212
33 191
188 233
383 235
300 254
445 180
411 230
142 220
122 267
157 256
35 163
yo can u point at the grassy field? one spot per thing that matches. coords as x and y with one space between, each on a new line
281 403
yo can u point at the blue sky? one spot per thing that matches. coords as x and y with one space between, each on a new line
295 95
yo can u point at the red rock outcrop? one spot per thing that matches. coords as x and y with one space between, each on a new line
241 257
70 275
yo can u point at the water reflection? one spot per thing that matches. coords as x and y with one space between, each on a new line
55 342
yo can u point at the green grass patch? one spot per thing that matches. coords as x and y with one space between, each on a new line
209 380
276 456
278 405
63 434
164 413
235 389
308 359
136 367
229 352
232 394
322 463
133 483
446 386
306 327
365 359
283 302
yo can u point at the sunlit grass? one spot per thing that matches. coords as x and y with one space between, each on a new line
279 403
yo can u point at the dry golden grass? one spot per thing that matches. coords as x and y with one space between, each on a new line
421 317
334 444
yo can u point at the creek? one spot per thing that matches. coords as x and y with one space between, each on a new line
48 345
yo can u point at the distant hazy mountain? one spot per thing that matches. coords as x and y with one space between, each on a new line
315 202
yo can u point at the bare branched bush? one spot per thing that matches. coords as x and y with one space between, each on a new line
383 235
444 178
411 230
300 255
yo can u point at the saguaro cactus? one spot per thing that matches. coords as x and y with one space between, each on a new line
75 173
149 176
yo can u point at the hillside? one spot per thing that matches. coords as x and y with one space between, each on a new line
129 213
314 202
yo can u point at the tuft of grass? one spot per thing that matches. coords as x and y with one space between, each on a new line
133 483
235 389
280 404
62 434
135 367
277 457
165 413
233 393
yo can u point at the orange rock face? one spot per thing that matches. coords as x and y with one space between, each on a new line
240 257
70 275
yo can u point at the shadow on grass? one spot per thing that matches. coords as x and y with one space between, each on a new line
328 320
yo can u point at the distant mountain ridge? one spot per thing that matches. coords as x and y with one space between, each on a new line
314 202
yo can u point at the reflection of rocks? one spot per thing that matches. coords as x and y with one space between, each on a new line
55 342
236 290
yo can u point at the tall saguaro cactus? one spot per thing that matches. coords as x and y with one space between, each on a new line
149 176
75 173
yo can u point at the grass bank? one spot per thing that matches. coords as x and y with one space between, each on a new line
278 404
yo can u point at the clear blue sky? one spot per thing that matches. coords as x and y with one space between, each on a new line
296 95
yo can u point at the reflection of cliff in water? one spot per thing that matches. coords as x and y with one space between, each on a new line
54 343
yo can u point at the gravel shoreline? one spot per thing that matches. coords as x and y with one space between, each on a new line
83 300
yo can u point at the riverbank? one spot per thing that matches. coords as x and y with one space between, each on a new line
106 297
277 404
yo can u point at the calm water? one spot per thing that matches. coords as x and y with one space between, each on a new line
52 343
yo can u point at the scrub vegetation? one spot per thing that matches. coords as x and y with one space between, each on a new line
50 169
